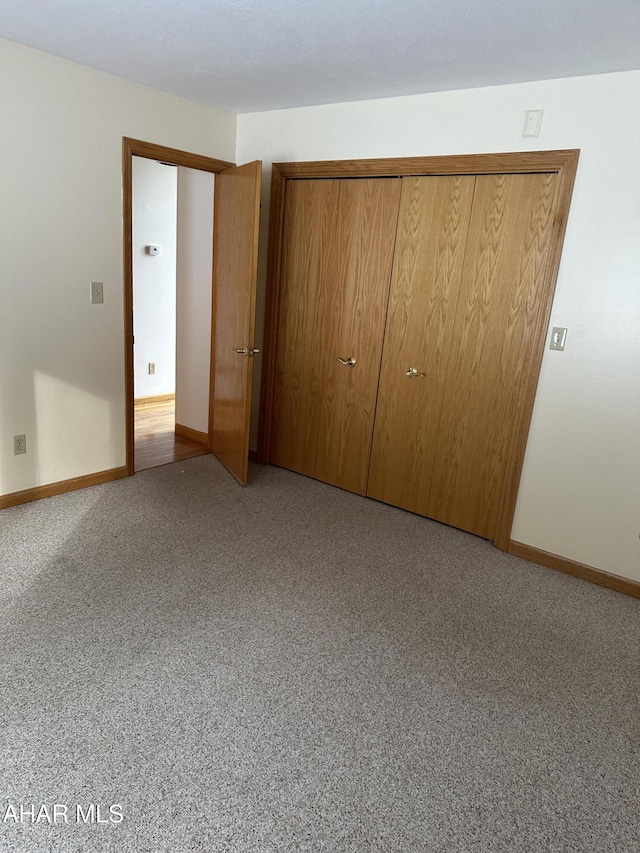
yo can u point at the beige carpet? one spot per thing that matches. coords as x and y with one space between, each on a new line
289 667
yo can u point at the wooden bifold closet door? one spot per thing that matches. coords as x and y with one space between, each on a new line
338 249
466 299
429 257
410 325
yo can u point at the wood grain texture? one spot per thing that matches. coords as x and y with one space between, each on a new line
309 230
563 162
61 487
271 317
235 261
432 234
338 248
127 253
156 398
361 256
503 294
457 164
578 570
174 156
565 179
158 439
192 434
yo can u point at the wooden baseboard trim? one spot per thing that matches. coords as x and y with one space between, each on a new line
51 489
159 398
193 434
578 570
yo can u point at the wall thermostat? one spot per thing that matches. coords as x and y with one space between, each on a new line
152 250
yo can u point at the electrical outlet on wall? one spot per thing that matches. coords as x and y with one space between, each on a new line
19 444
152 367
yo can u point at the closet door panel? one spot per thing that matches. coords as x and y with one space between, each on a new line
361 259
309 229
500 308
432 234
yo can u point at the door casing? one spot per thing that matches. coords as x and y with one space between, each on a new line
562 162
175 157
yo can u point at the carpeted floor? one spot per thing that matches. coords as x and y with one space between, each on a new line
289 667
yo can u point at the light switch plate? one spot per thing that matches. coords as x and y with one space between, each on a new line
97 292
532 123
558 338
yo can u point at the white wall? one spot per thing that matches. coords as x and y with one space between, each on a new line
155 192
580 489
194 275
61 358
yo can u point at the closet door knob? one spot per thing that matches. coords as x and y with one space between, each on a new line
412 373
350 362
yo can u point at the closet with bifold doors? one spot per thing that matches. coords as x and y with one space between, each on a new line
337 254
407 308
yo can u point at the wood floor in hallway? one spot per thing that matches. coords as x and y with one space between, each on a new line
155 440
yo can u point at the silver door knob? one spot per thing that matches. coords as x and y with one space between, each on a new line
350 362
413 373
254 351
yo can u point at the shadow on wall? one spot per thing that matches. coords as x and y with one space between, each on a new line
61 410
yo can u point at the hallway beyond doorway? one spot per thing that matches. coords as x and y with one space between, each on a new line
156 442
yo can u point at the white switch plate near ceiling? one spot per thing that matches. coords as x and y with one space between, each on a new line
532 123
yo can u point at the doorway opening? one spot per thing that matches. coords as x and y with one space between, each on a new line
151 309
172 266
157 442
225 399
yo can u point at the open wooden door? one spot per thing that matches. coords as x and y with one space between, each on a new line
235 260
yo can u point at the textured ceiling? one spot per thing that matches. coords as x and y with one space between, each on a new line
249 55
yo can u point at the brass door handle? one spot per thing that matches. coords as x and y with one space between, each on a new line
350 362
413 373
244 351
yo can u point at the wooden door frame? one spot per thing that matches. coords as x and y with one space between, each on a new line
564 163
174 157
